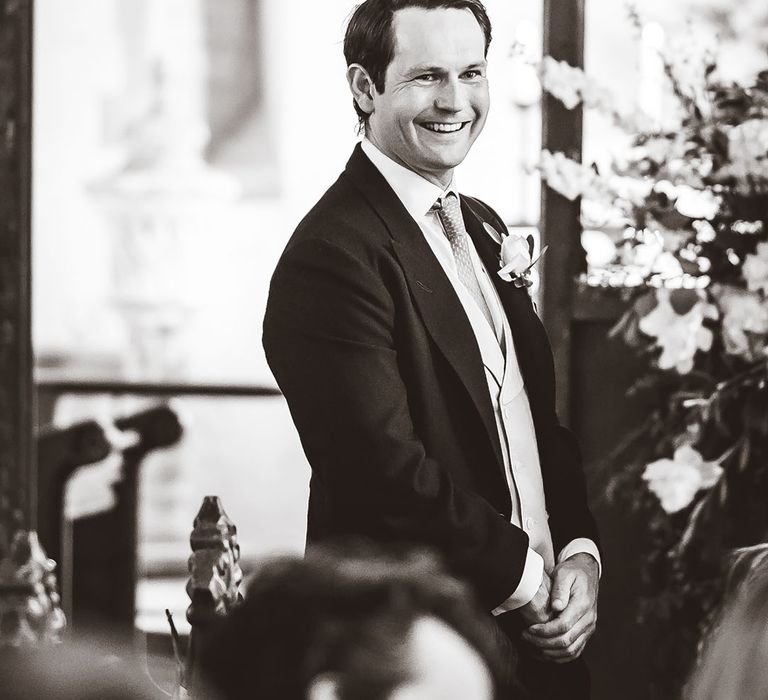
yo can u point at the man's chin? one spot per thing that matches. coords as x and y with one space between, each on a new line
446 161
448 154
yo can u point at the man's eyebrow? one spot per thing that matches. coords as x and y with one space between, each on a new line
427 68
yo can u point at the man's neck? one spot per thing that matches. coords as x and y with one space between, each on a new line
441 180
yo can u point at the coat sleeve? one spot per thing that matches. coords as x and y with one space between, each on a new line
329 340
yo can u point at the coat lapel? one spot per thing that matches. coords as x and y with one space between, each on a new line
531 344
432 291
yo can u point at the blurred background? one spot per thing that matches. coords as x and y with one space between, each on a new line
177 144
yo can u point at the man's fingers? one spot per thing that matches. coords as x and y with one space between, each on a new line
565 655
566 620
584 626
558 626
562 584
568 652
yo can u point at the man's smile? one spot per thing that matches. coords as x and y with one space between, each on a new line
444 127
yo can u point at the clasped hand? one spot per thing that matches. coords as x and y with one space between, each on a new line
563 614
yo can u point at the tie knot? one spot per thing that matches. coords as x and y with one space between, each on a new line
447 200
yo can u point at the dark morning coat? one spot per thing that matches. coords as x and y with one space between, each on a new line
383 376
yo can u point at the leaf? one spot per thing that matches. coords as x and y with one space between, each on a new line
744 454
717 417
683 300
673 219
723 488
620 325
645 304
689 531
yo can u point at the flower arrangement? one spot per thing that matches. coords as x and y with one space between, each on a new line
691 204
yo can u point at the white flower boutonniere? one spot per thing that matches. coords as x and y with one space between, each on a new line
514 257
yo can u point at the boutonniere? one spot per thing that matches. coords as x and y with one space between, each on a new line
515 256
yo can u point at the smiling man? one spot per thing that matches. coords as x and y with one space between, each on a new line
420 381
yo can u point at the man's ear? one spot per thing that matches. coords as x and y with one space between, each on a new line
362 87
323 687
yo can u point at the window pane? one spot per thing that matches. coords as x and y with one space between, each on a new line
170 174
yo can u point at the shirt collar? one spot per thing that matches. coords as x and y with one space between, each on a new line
415 192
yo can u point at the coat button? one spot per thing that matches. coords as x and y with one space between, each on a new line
529 523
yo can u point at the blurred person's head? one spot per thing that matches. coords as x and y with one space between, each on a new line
417 72
333 627
734 665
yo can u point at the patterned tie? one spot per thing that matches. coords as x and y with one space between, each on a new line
449 211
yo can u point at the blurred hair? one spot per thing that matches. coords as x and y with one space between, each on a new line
370 40
346 615
734 665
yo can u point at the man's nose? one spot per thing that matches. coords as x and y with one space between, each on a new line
450 97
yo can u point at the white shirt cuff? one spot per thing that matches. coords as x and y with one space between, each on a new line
581 545
529 584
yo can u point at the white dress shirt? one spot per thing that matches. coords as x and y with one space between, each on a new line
505 382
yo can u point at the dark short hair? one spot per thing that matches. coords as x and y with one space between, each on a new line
370 41
346 615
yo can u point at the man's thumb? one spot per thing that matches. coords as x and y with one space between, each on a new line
561 590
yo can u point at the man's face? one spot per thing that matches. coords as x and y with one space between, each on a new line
435 98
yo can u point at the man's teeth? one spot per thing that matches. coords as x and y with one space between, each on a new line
443 128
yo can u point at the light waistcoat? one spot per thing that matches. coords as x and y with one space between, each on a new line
514 423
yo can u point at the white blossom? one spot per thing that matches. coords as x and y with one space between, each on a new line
696 204
679 336
562 81
747 151
745 316
676 481
568 177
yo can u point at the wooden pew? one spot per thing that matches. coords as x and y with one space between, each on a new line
60 451
105 544
97 553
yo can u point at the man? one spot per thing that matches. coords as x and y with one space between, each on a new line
343 624
421 382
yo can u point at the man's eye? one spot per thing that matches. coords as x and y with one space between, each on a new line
473 74
427 77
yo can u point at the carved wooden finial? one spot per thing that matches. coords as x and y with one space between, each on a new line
30 612
215 575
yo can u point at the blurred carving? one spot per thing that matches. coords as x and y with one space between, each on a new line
214 582
29 602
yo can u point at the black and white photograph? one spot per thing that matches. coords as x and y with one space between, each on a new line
384 349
